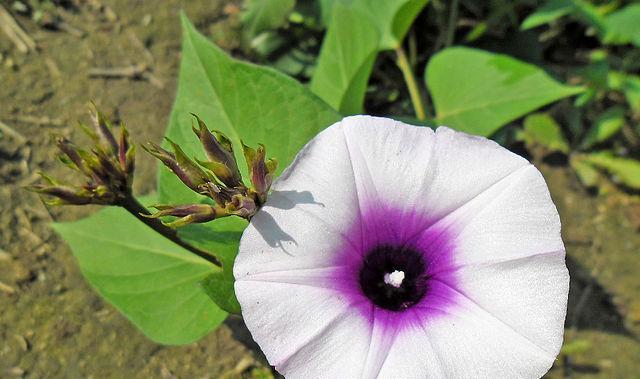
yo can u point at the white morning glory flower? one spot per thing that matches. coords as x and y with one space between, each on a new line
393 251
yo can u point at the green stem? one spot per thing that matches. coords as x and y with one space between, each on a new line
412 84
138 210
451 25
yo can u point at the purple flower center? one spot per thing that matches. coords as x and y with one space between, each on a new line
393 278
398 266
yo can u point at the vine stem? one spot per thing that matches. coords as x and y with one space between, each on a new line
133 206
412 84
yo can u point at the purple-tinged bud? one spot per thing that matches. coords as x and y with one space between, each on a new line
243 206
178 162
188 214
260 171
63 194
126 152
102 129
219 150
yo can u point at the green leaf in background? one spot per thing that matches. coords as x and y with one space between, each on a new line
151 280
542 129
622 27
218 285
346 59
550 11
392 18
263 15
587 174
582 10
604 127
478 92
631 90
576 346
625 170
357 30
244 101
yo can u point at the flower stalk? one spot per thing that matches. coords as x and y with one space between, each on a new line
412 85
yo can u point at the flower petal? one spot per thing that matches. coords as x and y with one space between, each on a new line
514 218
289 320
409 167
528 294
469 343
316 196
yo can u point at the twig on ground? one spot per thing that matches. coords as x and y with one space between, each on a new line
36 120
134 72
7 289
24 43
136 41
6 129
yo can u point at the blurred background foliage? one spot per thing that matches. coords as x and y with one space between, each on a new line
351 53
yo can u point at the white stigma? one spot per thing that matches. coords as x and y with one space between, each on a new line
394 278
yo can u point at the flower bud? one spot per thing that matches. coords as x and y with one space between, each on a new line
178 162
219 150
108 167
260 171
188 214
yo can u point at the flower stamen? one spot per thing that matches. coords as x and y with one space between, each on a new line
394 278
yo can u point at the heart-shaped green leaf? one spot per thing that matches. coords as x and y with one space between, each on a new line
478 92
244 101
151 280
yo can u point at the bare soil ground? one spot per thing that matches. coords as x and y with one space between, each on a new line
53 325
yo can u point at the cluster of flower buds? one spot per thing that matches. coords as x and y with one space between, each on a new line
218 178
108 167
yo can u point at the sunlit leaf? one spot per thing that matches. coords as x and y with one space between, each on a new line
624 170
604 127
151 280
244 101
478 92
357 30
263 15
542 129
346 59
392 18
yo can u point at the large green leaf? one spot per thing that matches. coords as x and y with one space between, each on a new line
478 92
151 280
245 101
211 237
346 59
